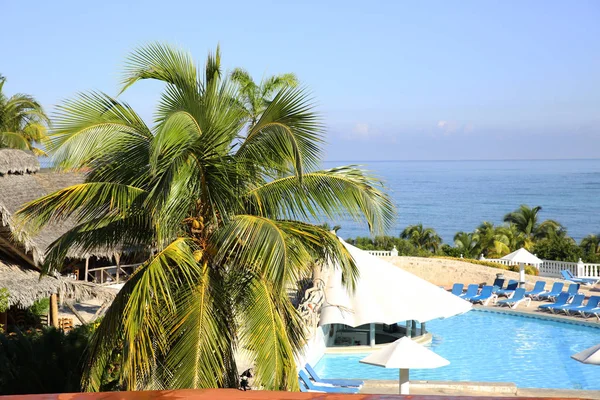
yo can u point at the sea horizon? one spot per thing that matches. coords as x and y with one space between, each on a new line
458 195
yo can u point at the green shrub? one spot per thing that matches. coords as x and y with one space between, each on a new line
3 299
49 361
558 248
40 307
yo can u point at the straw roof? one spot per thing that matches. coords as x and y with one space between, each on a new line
21 183
17 162
25 286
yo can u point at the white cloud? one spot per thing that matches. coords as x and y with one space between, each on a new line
449 127
361 129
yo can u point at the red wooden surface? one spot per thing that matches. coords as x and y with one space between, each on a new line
232 394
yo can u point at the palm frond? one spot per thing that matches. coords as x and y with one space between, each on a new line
336 193
161 62
135 316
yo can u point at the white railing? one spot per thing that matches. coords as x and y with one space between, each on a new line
551 268
380 253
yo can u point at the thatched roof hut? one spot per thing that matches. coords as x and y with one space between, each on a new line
25 286
21 254
21 181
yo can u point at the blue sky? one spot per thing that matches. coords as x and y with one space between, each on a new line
394 80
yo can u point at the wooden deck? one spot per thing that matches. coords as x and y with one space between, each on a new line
232 394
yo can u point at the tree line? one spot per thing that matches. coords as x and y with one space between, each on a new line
521 228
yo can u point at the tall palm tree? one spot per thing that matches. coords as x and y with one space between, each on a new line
525 219
257 97
22 122
221 210
468 243
492 240
422 238
591 244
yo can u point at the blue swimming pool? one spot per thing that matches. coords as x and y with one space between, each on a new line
492 347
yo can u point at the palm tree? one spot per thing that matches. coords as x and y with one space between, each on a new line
492 240
221 209
22 122
257 97
467 243
591 244
422 238
525 219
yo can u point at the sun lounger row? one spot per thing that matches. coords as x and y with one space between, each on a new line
310 381
568 276
573 305
473 294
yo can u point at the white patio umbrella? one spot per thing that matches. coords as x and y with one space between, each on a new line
405 354
522 257
385 294
589 356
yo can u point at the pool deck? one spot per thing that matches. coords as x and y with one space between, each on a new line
532 311
487 389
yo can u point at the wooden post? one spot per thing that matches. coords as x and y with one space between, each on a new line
118 260
87 265
54 310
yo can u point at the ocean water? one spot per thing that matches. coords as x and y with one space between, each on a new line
491 347
453 196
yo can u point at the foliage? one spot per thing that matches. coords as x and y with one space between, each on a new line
254 97
47 361
591 248
454 252
422 238
223 206
559 249
404 247
22 122
40 307
525 219
466 244
4 295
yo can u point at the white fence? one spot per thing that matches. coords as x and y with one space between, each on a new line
551 268
380 253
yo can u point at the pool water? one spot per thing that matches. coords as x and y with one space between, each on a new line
492 347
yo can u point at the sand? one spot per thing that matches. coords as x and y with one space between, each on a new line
444 272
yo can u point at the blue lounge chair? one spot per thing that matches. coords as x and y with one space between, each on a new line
553 293
562 299
457 289
327 388
472 291
510 288
576 302
517 297
337 382
568 276
593 312
592 303
539 288
484 296
498 283
305 389
573 289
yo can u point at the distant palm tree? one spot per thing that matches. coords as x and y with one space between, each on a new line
591 244
468 243
422 238
492 240
526 221
257 97
222 212
22 122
